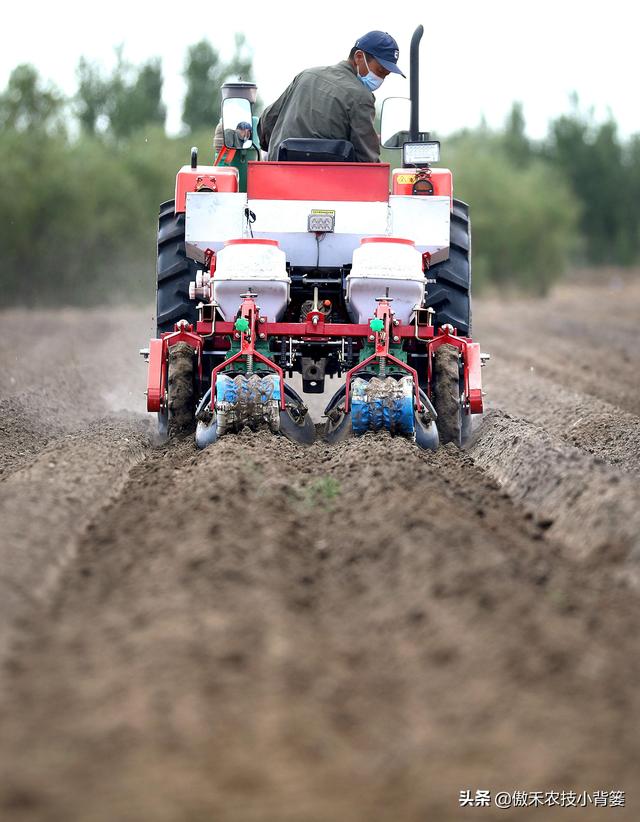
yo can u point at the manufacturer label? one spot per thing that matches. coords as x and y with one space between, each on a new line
323 211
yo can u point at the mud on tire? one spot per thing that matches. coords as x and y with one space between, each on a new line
450 295
181 389
452 423
175 271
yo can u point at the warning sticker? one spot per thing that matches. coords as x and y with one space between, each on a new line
323 211
406 179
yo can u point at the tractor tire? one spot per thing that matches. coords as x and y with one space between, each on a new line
454 425
450 294
181 394
175 271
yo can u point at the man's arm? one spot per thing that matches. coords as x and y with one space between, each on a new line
269 117
363 135
218 137
230 138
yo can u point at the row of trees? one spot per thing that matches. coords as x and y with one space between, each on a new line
83 178
603 172
117 104
539 206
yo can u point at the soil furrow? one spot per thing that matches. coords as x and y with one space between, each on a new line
585 503
230 647
597 427
264 632
582 339
46 506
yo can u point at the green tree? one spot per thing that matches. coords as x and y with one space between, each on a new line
124 102
600 172
631 198
135 98
515 139
523 217
205 73
91 97
27 104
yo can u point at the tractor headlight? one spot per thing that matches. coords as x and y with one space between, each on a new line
420 154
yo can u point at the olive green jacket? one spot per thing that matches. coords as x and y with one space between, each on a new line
231 138
328 102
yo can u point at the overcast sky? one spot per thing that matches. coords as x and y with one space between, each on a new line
477 57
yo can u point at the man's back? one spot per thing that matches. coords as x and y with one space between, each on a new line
326 102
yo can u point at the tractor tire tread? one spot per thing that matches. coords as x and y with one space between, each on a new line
450 294
174 271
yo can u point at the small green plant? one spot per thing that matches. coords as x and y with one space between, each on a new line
322 492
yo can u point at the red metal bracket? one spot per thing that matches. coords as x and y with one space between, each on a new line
248 311
394 360
155 376
206 182
210 260
471 364
381 341
323 329
158 356
315 327
315 322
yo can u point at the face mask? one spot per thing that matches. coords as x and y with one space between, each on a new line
371 80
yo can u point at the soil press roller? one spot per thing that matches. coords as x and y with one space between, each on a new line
318 266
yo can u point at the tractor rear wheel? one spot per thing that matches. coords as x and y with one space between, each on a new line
175 271
181 394
450 294
454 423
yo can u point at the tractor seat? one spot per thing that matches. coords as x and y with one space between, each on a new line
312 150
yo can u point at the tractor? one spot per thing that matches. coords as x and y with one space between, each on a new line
322 267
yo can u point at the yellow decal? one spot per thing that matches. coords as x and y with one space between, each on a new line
323 211
406 179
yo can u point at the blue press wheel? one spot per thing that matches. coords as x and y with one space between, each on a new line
383 404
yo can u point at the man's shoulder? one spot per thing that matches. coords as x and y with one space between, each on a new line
341 75
343 67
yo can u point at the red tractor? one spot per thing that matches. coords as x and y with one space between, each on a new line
318 266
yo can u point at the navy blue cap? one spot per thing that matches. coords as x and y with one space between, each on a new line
383 47
245 125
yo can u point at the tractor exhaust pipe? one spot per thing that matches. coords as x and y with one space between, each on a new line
414 83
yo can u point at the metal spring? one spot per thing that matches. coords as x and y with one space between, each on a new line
382 366
249 364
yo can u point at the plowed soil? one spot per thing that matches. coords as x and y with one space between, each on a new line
360 632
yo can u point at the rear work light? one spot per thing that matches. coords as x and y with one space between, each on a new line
321 221
420 154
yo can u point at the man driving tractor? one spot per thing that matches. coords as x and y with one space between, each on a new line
334 102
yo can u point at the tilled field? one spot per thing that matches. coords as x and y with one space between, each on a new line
359 632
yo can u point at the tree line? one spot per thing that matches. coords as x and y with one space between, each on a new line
117 104
84 175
